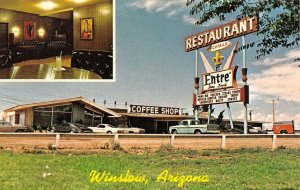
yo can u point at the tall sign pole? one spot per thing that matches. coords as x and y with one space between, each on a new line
245 83
196 86
219 79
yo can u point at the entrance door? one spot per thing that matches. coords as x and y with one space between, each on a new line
3 35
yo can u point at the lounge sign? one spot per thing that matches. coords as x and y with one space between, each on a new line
221 33
218 80
153 110
227 96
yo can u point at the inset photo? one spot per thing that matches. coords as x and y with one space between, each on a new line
57 40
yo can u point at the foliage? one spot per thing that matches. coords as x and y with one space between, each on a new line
278 19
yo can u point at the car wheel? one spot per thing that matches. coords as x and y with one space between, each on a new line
174 132
198 132
109 132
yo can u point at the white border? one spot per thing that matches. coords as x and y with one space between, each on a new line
78 80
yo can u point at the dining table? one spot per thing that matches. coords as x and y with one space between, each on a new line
46 72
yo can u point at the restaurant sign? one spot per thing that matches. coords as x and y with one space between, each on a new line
219 80
221 33
153 110
225 96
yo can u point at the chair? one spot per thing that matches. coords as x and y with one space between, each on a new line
99 62
5 59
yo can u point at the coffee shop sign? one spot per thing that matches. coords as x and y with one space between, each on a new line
153 110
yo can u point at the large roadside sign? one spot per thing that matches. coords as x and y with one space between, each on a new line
224 96
219 80
221 33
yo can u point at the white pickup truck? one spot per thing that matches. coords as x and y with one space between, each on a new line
194 127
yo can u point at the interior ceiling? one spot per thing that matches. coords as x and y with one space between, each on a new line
32 6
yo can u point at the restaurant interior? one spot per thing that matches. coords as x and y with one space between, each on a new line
56 39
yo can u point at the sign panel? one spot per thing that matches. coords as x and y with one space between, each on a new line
153 110
226 96
219 46
221 33
219 80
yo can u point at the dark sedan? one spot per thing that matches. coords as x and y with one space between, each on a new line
66 128
84 129
71 128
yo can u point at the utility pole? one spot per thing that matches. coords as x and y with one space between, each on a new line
250 113
273 110
196 113
245 83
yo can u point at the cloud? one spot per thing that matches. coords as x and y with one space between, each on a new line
281 81
158 5
170 8
259 116
289 57
188 19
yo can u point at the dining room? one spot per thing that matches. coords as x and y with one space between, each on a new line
56 39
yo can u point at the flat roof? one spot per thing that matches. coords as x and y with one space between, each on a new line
63 101
158 116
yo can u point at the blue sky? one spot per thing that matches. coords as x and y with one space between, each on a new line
152 67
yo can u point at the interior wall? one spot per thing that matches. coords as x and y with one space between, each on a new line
102 13
16 20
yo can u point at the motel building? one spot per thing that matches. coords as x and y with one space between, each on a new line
80 110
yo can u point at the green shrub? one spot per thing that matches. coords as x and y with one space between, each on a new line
116 145
206 153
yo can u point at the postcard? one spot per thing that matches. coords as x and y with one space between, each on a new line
149 94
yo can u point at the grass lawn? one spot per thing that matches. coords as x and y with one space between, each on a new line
223 169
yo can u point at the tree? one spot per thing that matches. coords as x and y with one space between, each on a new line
278 19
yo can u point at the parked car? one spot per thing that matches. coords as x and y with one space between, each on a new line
107 128
66 128
84 129
8 127
251 130
131 129
135 130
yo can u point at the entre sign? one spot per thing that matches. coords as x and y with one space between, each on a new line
225 96
224 32
153 110
219 80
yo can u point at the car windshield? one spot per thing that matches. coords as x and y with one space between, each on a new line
111 126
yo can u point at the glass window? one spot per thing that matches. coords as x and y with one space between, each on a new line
195 123
92 118
63 108
185 123
101 126
49 109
